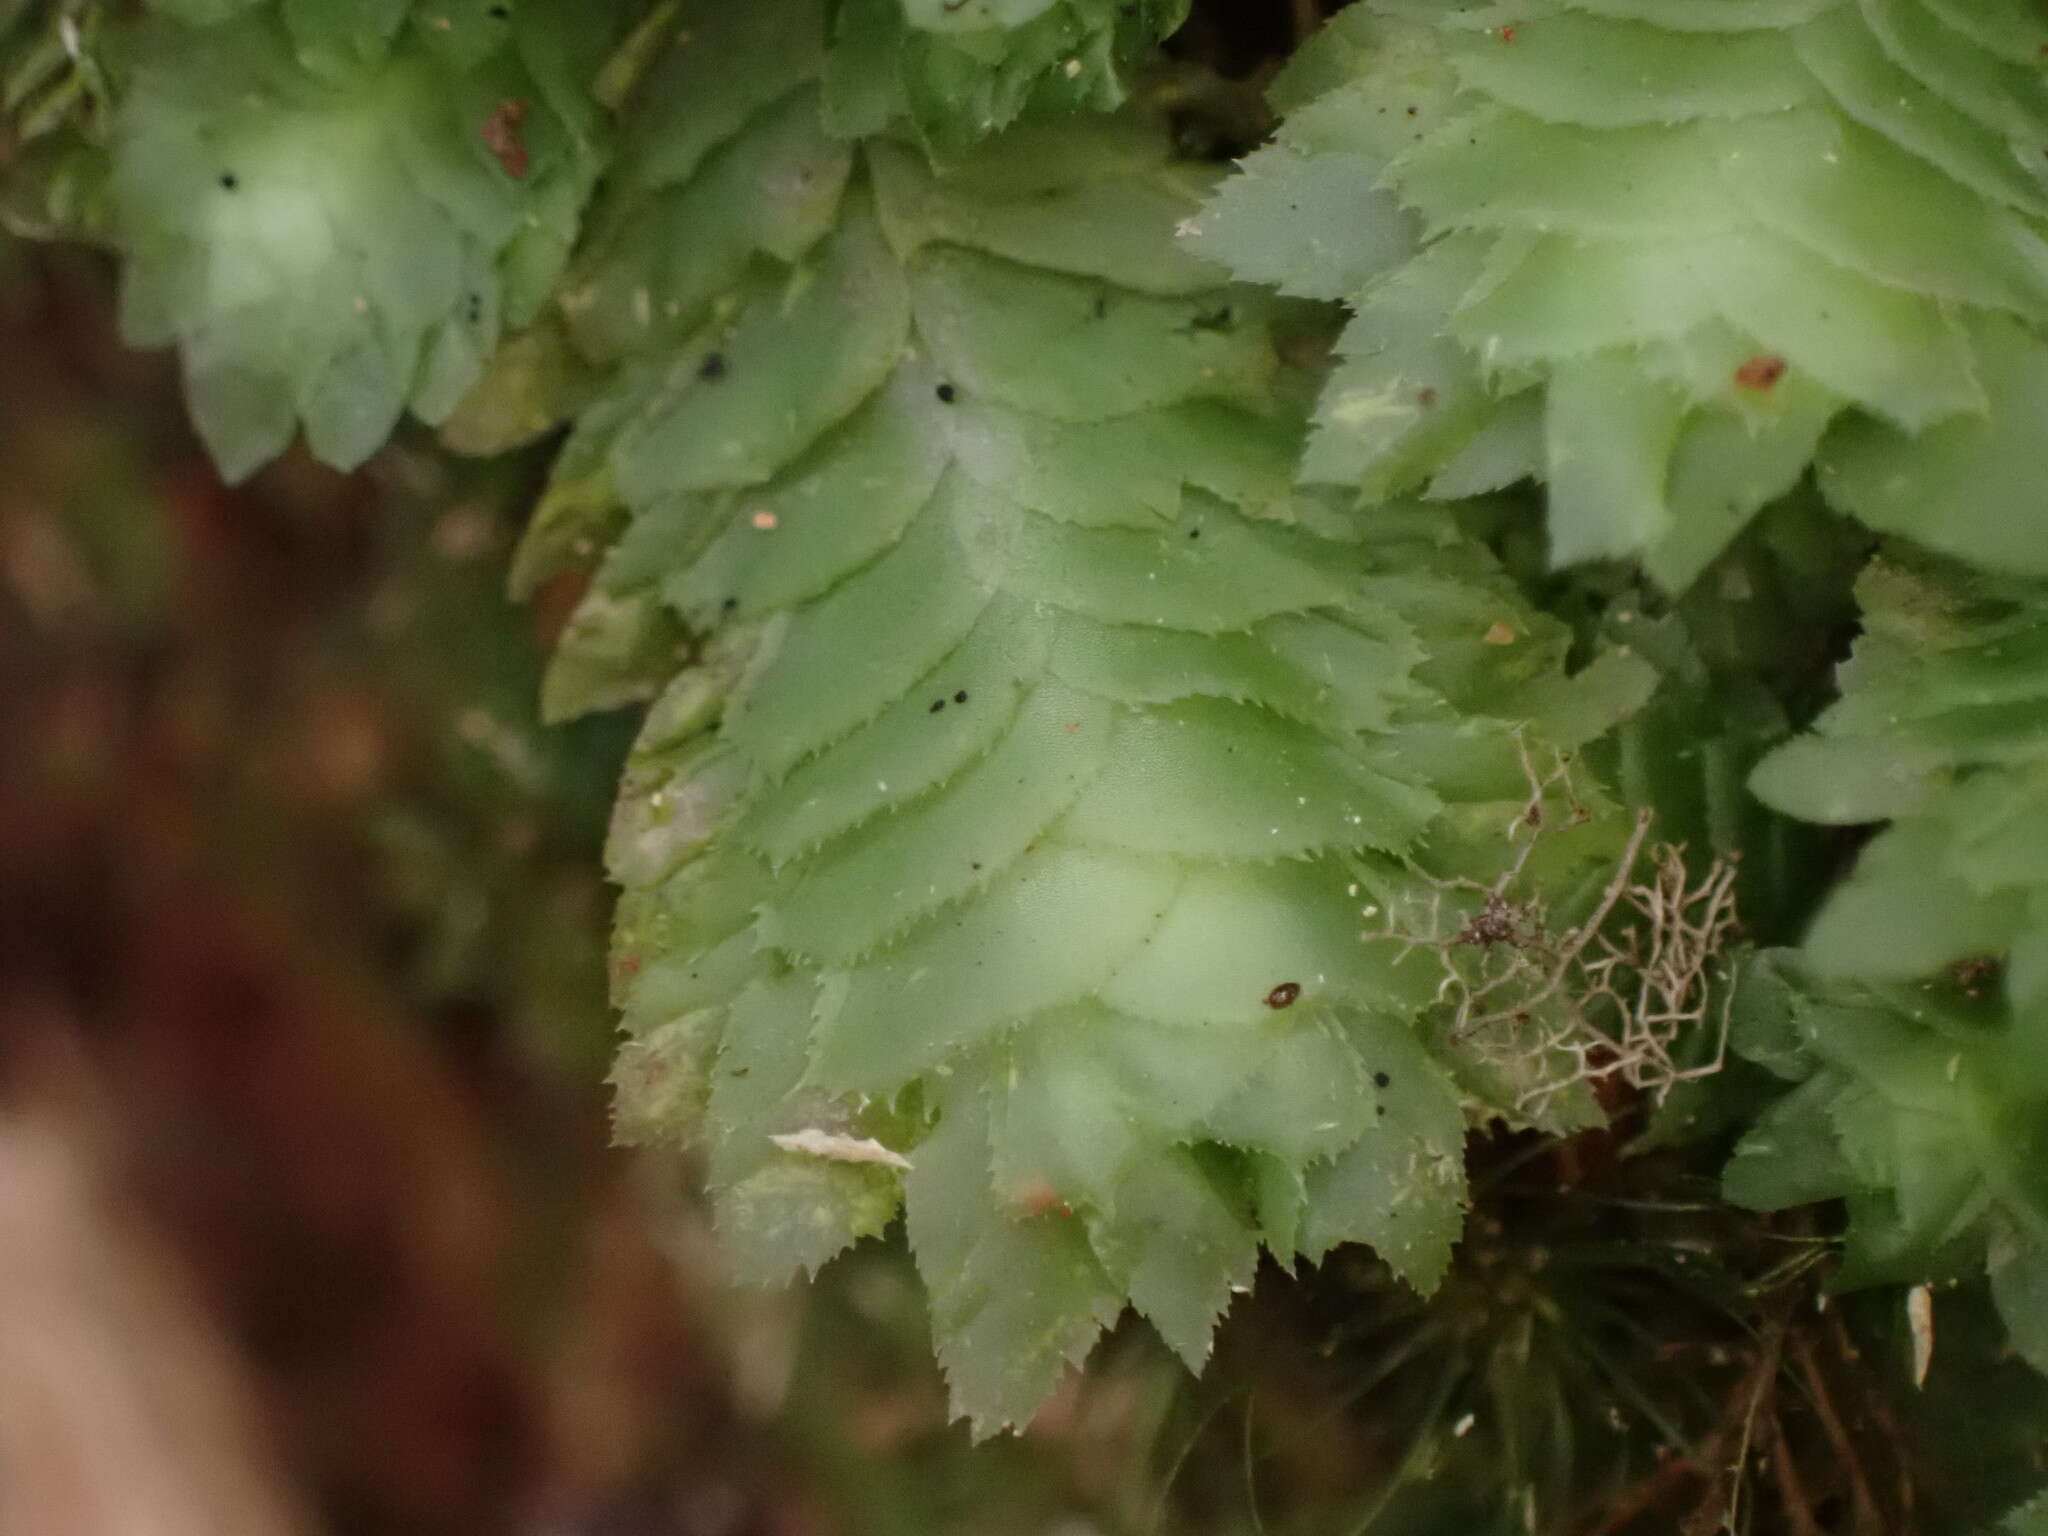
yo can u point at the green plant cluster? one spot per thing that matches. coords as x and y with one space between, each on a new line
1164 682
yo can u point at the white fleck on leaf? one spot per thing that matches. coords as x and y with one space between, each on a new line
1920 1318
839 1148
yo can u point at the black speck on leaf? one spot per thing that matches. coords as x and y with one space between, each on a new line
1380 1079
713 366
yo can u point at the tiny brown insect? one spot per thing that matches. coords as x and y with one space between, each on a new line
1283 995
1761 372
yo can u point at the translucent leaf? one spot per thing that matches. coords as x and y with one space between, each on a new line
1230 944
947 719
1015 1299
1646 74
1607 439
1708 15
1791 1157
1895 352
2012 29
1404 395
1178 1247
1209 572
245 418
1128 471
782 1211
1725 467
1308 1098
1504 169
725 63
1553 297
844 658
1401 1185
310 212
1119 230
1839 49
1039 341
1311 226
785 374
1897 917
1842 784
1969 485
1229 781
1137 664
1829 185
853 893
848 501
1051 932
668 256
2008 99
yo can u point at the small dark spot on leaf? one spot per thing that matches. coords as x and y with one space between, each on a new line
960 697
937 705
1380 1079
1283 996
1428 396
713 367
229 181
500 12
1101 307
729 604
1379 1109
947 394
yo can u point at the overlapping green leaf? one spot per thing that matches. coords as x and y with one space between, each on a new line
333 210
1922 1108
1942 730
1683 250
1021 830
1916 1019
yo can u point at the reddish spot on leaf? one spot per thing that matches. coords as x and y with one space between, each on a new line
1283 996
1761 372
503 134
1037 1197
1507 34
